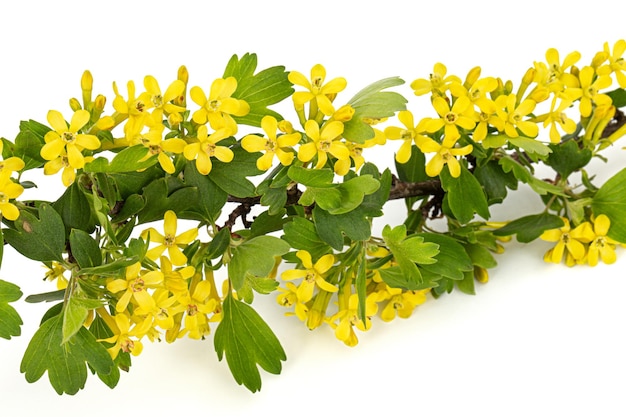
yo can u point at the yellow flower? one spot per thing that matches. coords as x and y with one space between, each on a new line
133 108
66 139
312 274
175 281
402 303
8 191
169 240
272 145
590 88
219 107
484 119
318 92
206 147
477 93
11 164
569 242
408 134
62 162
196 306
342 166
348 319
164 101
601 247
55 273
288 297
617 63
553 75
323 141
135 286
437 83
153 141
451 118
446 154
558 117
125 339
513 116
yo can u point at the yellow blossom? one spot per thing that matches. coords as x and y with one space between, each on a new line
451 118
445 154
124 338
477 93
323 141
437 83
169 240
156 145
206 148
55 272
134 109
319 94
9 190
175 280
348 319
312 274
601 247
219 107
196 305
553 75
342 166
64 139
617 63
557 116
409 134
135 285
513 116
280 146
590 88
402 303
569 241
163 101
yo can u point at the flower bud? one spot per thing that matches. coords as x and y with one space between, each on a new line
472 77
285 126
344 113
75 104
183 74
86 85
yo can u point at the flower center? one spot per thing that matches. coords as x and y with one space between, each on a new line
157 100
324 145
3 198
270 146
310 277
192 310
406 135
68 137
317 84
140 106
214 105
127 346
169 241
451 118
138 285
209 148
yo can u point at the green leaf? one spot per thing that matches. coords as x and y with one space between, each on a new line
466 285
85 249
509 164
531 146
74 316
46 297
209 200
275 199
40 239
10 320
332 227
128 160
610 200
111 268
300 233
64 362
465 195
495 181
219 244
320 178
529 228
266 223
26 147
165 194
232 177
260 90
568 157
341 198
247 341
452 259
256 257
372 102
407 252
414 170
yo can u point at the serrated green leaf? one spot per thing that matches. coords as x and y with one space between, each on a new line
255 256
568 157
210 199
332 227
40 239
531 146
247 341
465 195
610 200
235 182
452 259
165 194
495 181
509 164
10 320
300 233
74 316
128 160
65 363
529 228
320 178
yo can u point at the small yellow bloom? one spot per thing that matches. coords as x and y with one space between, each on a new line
601 247
514 116
558 117
617 63
64 139
169 240
196 305
402 303
409 134
156 145
280 146
125 339
553 75
312 274
569 242
323 141
445 154
451 118
437 83
161 101
219 107
8 191
590 88
134 109
348 319
206 148
322 94
176 280
135 286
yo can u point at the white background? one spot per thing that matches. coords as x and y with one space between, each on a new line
539 339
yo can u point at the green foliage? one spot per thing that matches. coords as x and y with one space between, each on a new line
130 159
611 201
247 341
10 320
465 196
259 90
254 257
529 228
568 157
66 363
40 239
